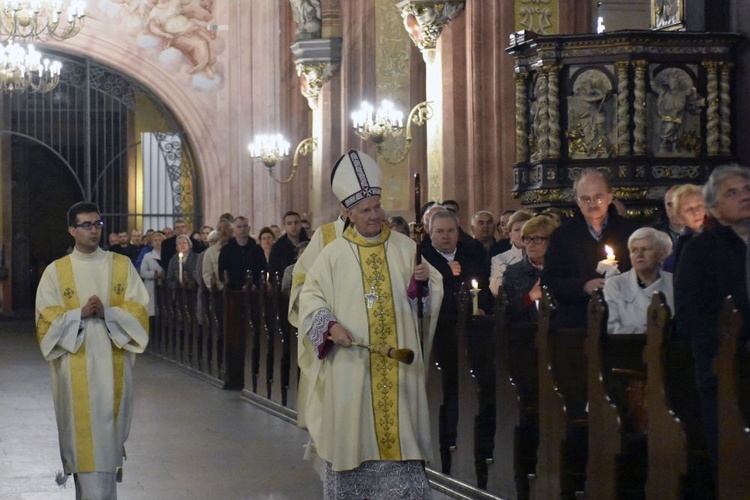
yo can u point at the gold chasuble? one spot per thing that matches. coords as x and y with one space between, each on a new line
92 359
360 406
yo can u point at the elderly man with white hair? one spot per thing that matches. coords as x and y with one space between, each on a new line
628 295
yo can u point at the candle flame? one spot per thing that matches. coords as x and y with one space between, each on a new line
474 284
609 251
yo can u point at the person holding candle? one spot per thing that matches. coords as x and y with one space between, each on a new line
183 262
458 262
521 281
577 246
628 295
151 270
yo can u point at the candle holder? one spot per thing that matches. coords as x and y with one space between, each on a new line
388 123
270 149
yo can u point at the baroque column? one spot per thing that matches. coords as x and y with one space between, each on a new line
424 21
317 58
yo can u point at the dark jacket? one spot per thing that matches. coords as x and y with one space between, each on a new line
239 260
283 253
711 267
518 280
472 259
168 249
571 260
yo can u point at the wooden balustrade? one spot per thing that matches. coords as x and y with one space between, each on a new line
543 413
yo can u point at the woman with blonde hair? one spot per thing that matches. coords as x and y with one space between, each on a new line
500 262
690 208
521 280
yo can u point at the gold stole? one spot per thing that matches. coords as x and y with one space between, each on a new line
381 319
78 367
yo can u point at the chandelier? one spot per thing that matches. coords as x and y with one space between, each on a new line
31 20
23 70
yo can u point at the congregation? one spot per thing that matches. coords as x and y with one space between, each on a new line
695 257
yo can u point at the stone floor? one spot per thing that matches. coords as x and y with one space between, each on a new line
189 440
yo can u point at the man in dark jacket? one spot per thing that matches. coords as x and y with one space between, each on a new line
242 257
283 251
711 267
458 262
577 246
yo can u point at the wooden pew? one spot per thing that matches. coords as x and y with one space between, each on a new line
678 463
667 444
732 366
561 457
616 379
240 312
517 396
476 378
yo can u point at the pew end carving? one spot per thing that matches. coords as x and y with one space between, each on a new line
732 367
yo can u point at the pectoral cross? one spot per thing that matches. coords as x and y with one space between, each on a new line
371 297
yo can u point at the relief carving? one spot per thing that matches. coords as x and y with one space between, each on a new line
588 110
677 99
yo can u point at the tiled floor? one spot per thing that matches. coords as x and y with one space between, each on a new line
189 440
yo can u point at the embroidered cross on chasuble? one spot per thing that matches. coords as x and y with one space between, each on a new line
381 320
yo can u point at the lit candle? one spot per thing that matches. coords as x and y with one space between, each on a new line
610 253
474 296
268 277
180 260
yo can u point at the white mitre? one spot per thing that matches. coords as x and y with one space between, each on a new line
355 177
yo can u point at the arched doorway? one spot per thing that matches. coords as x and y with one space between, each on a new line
98 136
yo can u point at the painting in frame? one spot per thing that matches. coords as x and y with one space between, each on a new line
668 15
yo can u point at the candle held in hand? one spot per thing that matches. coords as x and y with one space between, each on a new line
180 261
474 296
610 253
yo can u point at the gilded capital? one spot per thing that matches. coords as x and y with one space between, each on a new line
312 77
316 61
424 20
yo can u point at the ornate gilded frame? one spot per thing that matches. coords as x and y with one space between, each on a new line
668 15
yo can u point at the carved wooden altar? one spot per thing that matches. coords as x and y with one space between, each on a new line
650 109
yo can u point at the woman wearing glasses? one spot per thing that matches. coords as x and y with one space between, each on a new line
521 280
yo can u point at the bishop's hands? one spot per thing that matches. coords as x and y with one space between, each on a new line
93 308
421 272
340 335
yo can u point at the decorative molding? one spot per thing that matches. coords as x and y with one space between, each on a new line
676 171
316 62
539 16
424 20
